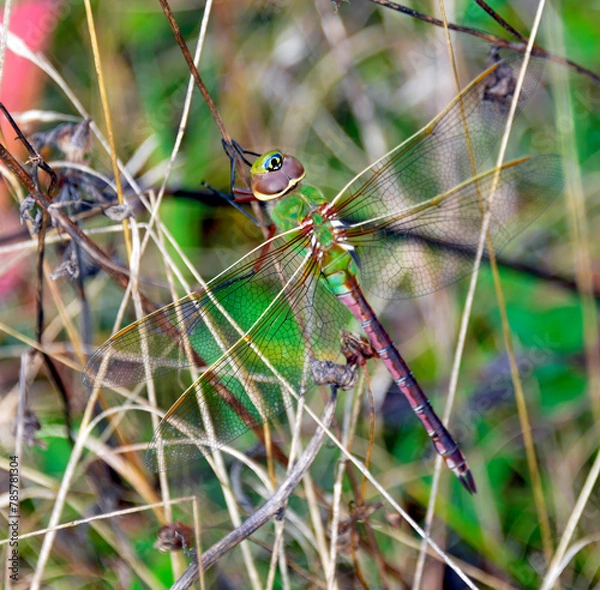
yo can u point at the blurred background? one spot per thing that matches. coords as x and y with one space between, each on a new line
337 86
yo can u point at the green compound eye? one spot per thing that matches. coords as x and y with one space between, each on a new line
274 162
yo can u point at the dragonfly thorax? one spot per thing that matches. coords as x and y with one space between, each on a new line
276 178
307 209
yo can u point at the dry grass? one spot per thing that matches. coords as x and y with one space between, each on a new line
337 88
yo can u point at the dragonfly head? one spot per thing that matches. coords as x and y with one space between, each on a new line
274 174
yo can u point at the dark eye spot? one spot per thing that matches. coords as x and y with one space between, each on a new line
275 162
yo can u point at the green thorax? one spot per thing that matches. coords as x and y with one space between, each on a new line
292 209
305 203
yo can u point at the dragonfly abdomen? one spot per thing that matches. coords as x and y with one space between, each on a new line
443 441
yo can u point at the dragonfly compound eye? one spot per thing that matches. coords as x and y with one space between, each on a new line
274 162
274 175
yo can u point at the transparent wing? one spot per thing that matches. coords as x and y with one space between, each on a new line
257 327
433 244
443 153
260 375
198 328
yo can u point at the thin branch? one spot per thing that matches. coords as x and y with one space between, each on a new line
532 461
518 47
55 376
503 23
194 70
272 508
117 273
210 104
536 270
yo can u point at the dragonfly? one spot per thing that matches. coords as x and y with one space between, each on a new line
407 225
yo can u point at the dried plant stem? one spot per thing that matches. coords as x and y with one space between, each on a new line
503 23
419 570
211 106
499 41
118 274
107 117
556 564
61 494
194 70
4 35
578 226
272 508
530 452
182 123
584 276
519 395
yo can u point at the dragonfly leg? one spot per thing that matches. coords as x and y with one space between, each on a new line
242 195
235 202
234 150
265 248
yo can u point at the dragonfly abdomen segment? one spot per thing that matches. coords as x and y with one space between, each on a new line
443 441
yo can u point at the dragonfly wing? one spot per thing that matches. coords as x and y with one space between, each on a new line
198 328
259 376
445 152
145 349
434 244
